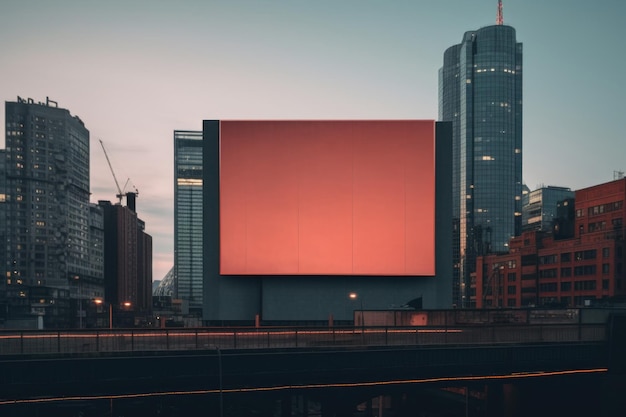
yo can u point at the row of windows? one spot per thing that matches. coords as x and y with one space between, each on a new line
601 208
564 272
578 256
590 285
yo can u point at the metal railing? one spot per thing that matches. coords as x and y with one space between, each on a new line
188 339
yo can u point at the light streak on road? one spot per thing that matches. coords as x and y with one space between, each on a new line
515 375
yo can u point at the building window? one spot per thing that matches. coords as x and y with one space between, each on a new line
566 286
511 277
605 268
586 254
548 287
548 273
584 270
606 252
566 257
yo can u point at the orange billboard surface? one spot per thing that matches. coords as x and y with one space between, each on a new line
327 197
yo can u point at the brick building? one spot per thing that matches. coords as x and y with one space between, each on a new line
579 268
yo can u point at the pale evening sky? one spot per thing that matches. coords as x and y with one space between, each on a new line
135 71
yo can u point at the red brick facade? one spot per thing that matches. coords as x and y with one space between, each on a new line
585 269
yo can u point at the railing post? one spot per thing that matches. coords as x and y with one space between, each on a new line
296 336
58 341
22 342
132 340
580 322
235 339
386 336
167 339
97 341
196 339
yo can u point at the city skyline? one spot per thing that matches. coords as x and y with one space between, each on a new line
135 72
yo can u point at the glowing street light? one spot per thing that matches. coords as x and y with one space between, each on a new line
100 301
354 296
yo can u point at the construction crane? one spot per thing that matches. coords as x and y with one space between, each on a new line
499 16
119 195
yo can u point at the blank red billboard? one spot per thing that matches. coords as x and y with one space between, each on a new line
327 197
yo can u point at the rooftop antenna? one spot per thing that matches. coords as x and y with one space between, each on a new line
499 16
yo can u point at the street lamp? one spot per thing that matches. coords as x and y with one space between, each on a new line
80 301
353 296
100 302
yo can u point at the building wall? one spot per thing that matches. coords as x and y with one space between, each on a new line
586 269
480 92
317 298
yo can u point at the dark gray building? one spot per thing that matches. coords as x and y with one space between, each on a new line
296 297
188 218
480 92
48 214
128 263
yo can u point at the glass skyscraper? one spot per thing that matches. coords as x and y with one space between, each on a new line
188 217
480 91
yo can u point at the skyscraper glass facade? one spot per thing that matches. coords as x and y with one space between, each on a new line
480 91
188 217
539 207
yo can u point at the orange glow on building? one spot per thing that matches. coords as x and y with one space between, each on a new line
327 198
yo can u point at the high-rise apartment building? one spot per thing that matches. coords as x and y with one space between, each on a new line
48 212
188 212
480 91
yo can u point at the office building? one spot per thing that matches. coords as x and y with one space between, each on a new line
188 274
480 92
539 207
584 269
312 221
48 214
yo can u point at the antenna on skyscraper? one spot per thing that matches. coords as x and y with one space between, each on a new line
499 16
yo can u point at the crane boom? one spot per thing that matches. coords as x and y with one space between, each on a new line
119 190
